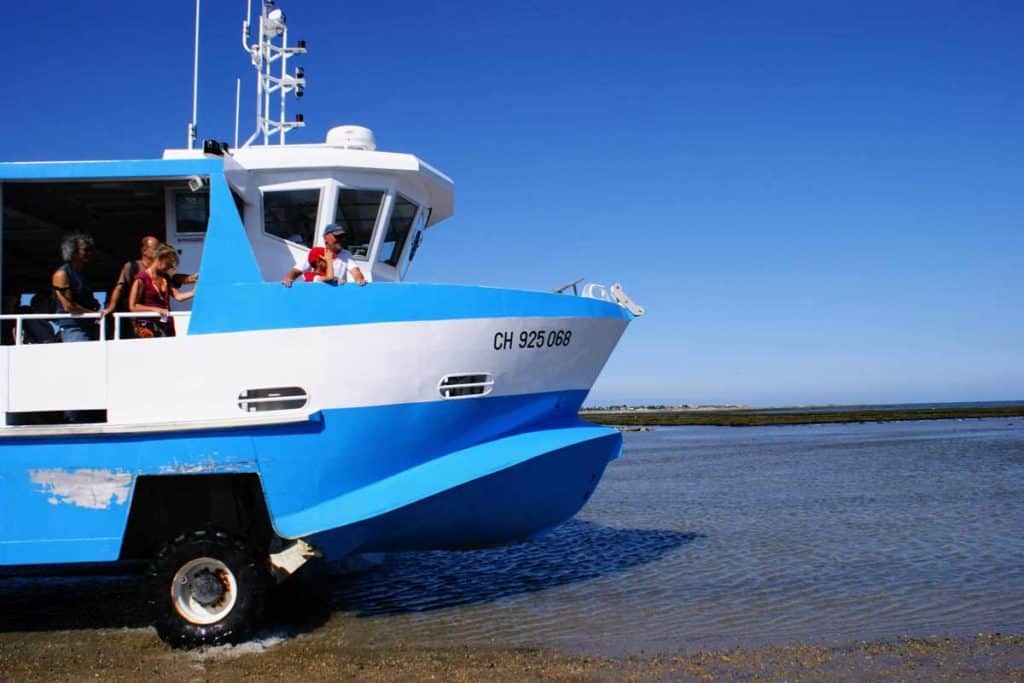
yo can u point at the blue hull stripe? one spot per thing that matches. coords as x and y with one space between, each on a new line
515 503
266 306
435 477
67 499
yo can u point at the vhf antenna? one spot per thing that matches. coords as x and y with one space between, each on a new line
264 54
193 126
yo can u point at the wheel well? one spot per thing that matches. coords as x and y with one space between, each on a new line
165 506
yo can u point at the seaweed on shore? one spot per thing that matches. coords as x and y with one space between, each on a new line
755 418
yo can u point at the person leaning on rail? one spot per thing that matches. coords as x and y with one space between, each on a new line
127 275
322 267
343 262
152 291
71 291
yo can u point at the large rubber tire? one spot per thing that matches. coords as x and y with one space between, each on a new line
181 618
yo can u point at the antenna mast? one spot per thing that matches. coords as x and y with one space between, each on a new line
265 54
193 126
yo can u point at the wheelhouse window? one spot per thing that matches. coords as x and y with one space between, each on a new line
239 204
291 214
357 211
191 212
402 216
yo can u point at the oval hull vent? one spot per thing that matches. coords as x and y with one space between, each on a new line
466 385
272 398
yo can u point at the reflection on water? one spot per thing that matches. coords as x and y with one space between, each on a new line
697 537
578 551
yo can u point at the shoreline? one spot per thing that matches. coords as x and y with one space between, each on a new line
753 417
136 653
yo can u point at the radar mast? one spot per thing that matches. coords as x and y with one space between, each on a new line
269 51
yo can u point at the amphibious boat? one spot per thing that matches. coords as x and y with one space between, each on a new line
281 423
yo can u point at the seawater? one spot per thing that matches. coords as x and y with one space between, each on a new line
720 537
697 537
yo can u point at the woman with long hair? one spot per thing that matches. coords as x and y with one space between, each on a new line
152 291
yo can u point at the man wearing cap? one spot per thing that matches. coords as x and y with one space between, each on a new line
343 264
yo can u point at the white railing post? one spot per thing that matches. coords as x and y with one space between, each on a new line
19 319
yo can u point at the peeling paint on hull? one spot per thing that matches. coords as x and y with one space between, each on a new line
85 488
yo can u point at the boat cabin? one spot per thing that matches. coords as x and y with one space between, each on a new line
284 195
280 196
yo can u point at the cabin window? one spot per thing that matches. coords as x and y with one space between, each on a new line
357 211
291 214
402 216
419 235
239 204
191 212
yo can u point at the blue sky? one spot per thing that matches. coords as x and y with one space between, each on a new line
817 201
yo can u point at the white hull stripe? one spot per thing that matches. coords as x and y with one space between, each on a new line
344 366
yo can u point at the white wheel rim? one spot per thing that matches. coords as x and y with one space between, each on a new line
186 603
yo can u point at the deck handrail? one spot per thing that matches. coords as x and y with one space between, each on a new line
574 284
19 317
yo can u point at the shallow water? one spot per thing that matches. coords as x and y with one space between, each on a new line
714 536
696 537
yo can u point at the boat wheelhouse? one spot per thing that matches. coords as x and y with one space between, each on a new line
282 422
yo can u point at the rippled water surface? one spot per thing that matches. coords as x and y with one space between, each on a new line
713 536
699 537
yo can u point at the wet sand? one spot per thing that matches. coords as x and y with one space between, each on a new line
131 654
78 633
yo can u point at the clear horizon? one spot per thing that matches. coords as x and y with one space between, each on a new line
817 203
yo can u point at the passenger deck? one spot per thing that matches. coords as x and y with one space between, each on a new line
243 216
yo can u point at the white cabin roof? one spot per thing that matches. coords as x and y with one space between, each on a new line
326 157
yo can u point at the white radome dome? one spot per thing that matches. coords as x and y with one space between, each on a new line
352 137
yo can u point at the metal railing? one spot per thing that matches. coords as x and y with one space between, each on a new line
574 284
119 316
18 318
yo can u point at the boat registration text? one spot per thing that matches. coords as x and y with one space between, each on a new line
532 339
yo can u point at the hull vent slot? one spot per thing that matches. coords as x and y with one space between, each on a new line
466 385
272 398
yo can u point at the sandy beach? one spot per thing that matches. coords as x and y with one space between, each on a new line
124 654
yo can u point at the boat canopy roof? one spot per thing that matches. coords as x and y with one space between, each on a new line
303 161
281 196
325 159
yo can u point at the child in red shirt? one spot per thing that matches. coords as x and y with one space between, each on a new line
322 268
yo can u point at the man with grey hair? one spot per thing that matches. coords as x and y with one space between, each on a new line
71 292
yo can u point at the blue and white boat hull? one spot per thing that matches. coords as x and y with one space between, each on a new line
374 456
511 490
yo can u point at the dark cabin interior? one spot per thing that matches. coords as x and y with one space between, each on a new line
36 215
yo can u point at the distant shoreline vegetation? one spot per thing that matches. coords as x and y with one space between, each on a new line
737 416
